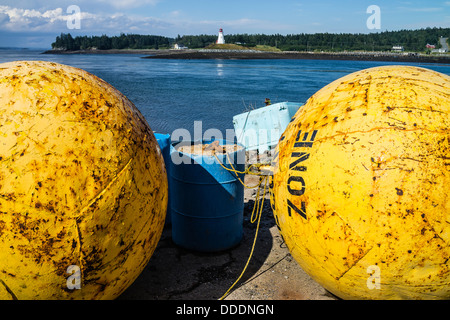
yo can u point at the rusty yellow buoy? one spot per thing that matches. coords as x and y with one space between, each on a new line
361 185
83 188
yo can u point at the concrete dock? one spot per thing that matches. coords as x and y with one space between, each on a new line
174 273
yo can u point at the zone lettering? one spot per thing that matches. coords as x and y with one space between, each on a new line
296 185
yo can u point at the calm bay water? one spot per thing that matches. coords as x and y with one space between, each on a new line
172 94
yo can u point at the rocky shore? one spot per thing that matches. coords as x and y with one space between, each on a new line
255 54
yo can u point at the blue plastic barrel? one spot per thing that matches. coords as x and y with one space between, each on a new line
164 143
208 200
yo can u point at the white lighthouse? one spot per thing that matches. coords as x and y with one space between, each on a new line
220 39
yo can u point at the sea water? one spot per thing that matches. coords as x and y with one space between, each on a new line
178 94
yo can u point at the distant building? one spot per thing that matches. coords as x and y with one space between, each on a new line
430 46
398 48
179 46
221 38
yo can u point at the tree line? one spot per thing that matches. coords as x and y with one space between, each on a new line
410 40
124 41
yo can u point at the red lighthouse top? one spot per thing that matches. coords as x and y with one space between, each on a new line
220 30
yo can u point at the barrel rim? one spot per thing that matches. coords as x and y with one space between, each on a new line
208 141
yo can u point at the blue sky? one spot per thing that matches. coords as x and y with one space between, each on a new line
36 23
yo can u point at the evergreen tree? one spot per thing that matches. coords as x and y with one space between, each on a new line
411 40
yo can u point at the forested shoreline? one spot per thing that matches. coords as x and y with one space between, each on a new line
409 40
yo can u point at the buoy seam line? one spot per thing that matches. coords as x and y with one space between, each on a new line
350 267
81 256
9 290
93 200
361 237
80 250
420 109
80 213
101 192
354 263
338 278
79 218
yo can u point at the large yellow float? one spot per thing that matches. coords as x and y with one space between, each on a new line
361 185
83 189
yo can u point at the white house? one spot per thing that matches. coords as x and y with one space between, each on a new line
398 48
178 46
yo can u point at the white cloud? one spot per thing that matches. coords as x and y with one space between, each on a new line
55 20
121 4
29 20
175 13
97 4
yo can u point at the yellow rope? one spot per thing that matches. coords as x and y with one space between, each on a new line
247 171
257 207
259 210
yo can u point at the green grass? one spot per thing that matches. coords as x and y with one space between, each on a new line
230 46
267 48
226 47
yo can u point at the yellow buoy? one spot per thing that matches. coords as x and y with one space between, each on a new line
361 185
83 189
